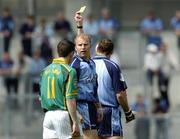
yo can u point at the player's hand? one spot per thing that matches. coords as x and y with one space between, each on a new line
130 116
75 130
78 19
80 117
99 114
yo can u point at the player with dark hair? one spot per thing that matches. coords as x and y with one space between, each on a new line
111 91
58 92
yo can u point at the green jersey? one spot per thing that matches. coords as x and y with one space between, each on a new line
58 83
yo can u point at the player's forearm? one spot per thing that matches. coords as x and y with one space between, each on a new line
97 105
79 23
71 105
79 28
80 31
122 99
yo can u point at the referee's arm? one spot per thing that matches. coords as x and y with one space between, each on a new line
79 23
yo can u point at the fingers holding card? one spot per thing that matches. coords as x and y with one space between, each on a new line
82 9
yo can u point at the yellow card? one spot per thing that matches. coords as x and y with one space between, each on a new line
82 9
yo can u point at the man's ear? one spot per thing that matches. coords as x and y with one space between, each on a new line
96 48
72 53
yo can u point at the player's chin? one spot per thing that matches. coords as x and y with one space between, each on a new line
83 55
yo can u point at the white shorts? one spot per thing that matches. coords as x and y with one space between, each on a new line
57 125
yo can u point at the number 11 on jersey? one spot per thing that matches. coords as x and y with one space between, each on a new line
51 88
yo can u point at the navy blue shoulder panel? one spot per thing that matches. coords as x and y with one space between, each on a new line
76 65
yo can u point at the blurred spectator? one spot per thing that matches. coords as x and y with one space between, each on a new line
26 31
160 109
0 24
43 33
7 28
21 69
6 66
90 26
175 24
46 50
108 26
151 26
140 106
151 62
62 26
43 30
142 121
10 79
35 68
167 62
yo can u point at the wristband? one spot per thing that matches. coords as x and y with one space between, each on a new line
128 113
79 27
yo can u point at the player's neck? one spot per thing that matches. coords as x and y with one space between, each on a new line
102 54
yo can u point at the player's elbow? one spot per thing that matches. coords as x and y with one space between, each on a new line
121 95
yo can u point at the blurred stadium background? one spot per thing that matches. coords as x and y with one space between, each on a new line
25 120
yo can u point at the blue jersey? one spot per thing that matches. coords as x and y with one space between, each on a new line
175 23
7 23
110 81
155 24
87 79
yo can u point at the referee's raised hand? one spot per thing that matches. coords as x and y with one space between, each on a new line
78 18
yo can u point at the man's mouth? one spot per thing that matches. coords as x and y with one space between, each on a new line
83 51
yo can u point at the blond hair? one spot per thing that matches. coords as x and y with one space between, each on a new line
83 36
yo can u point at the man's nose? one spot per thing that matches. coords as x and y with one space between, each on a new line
83 46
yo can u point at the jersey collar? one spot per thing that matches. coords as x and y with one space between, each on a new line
100 57
82 60
60 61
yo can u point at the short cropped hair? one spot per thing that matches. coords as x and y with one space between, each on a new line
65 47
83 36
105 46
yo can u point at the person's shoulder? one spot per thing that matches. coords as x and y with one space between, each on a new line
70 70
174 21
75 62
46 69
158 19
112 66
92 60
24 25
145 19
10 18
173 18
111 63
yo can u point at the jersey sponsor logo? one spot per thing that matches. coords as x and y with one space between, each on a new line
91 78
54 71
